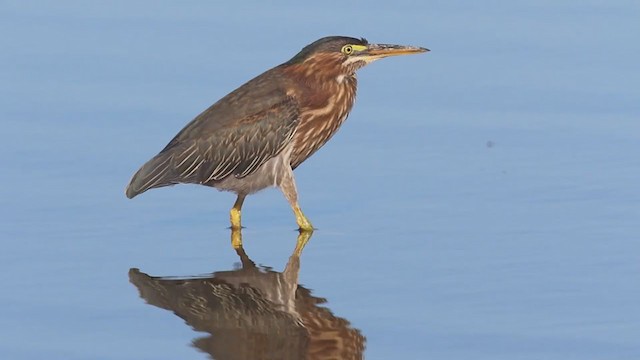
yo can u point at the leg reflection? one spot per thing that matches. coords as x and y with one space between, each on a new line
236 238
303 239
254 312
236 242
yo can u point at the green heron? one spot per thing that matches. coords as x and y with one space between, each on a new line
254 137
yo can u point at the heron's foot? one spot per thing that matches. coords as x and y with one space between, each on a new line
305 227
235 219
235 213
303 222
236 238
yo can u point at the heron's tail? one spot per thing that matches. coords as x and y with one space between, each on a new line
157 172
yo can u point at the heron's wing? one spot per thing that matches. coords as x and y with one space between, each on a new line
236 148
242 148
254 97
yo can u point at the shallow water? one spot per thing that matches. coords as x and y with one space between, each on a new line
480 202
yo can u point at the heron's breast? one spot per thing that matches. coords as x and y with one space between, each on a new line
320 120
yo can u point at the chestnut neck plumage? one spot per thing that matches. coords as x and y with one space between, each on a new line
325 90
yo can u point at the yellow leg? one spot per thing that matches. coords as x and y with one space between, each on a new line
236 239
303 222
288 187
235 212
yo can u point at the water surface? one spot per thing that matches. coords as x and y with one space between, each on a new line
480 202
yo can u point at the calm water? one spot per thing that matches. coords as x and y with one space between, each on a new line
481 202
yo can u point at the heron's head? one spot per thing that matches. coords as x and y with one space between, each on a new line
345 55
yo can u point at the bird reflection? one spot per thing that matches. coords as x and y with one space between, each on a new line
254 312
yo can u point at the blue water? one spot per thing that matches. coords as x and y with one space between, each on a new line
481 201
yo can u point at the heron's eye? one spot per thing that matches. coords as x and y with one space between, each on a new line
347 49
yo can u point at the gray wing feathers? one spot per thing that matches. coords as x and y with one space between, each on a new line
155 173
239 149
